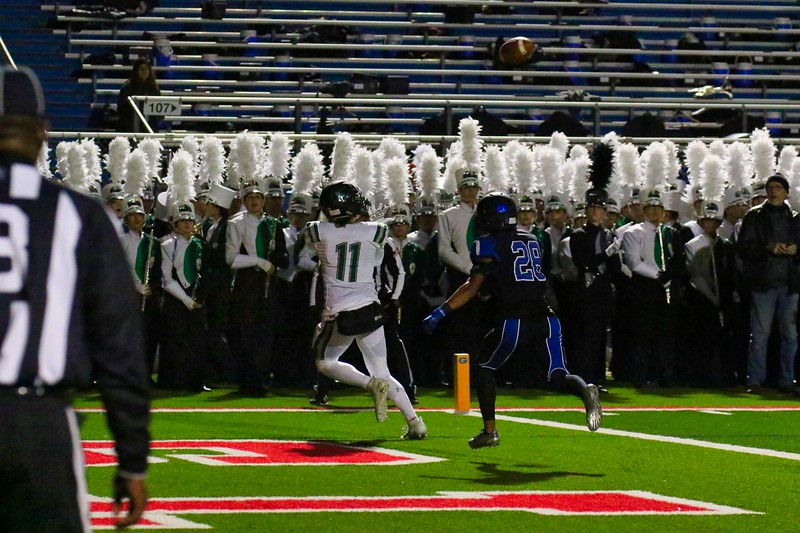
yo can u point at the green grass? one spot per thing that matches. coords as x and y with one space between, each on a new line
531 457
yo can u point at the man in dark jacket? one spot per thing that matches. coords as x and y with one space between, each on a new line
69 315
768 244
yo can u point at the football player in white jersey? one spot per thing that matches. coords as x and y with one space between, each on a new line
349 251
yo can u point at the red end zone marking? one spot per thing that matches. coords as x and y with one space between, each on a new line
539 502
262 453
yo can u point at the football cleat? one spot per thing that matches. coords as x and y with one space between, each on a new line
320 399
484 440
591 401
416 430
380 392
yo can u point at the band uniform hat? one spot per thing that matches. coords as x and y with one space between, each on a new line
671 200
251 186
94 192
737 196
302 204
446 200
553 202
221 196
147 194
779 178
538 195
612 206
425 207
183 212
632 195
112 191
652 198
273 188
596 198
133 206
161 209
712 209
579 211
315 199
525 202
20 93
399 214
759 190
203 190
467 178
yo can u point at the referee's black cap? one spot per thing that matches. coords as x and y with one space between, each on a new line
20 93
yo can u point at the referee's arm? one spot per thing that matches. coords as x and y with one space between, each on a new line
115 341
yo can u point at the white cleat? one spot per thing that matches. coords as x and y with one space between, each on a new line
591 401
416 430
380 393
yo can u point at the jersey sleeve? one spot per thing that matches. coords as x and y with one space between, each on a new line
484 248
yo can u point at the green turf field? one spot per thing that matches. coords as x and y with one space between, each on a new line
730 458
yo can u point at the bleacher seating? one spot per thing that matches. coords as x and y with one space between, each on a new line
264 54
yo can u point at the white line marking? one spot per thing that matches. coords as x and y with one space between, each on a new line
658 438
715 412
764 409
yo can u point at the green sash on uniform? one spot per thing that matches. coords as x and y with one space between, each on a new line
192 260
141 256
471 237
264 235
411 254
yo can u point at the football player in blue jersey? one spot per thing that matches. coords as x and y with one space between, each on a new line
507 266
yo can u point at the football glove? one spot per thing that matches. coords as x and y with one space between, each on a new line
432 321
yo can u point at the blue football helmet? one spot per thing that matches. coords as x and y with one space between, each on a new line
495 212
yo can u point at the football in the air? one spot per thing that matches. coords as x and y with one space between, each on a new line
516 51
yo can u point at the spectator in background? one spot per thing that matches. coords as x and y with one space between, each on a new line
768 244
142 82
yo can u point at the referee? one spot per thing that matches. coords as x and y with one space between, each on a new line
68 316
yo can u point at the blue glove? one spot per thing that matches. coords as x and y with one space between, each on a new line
430 323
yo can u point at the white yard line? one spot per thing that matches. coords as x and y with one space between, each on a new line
714 410
657 438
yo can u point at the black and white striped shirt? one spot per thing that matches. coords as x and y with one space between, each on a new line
68 309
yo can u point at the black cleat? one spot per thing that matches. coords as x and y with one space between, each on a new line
320 399
484 440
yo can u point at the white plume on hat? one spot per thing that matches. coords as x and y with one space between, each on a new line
695 153
785 159
279 155
550 162
428 175
341 156
612 139
117 158
579 184
391 147
453 163
717 147
396 181
190 145
469 131
61 159
245 157
673 164
379 194
560 142
419 153
91 154
43 161
307 169
524 164
510 151
794 183
76 164
654 167
740 165
152 148
181 187
626 165
763 150
495 170
362 171
577 151
212 161
713 177
137 173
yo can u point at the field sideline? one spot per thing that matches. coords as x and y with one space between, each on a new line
681 459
